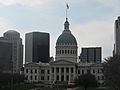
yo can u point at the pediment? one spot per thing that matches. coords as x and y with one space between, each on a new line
62 62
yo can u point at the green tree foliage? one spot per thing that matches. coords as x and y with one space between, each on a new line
112 71
86 81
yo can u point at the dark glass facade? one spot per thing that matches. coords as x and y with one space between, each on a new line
5 56
91 55
37 47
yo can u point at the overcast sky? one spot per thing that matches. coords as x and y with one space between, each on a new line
91 21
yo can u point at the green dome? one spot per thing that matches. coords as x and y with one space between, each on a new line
66 38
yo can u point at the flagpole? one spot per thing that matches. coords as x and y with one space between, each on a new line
67 7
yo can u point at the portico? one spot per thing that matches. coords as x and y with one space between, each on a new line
62 71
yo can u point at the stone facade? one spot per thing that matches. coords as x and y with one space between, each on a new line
62 71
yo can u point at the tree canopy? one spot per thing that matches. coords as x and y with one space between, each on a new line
86 81
112 71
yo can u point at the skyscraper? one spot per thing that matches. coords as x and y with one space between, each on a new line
37 47
91 55
17 49
117 36
5 55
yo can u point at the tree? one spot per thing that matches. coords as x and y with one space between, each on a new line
112 71
86 81
6 79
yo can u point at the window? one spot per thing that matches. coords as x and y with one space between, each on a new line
42 71
35 70
48 72
26 70
57 77
52 70
98 71
98 78
62 70
102 77
71 51
62 51
67 77
27 77
35 77
57 70
62 78
67 70
65 51
93 70
42 77
30 77
78 71
31 71
82 71
71 69
47 77
68 51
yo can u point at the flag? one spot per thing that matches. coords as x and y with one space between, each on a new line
67 6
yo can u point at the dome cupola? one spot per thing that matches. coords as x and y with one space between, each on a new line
66 37
66 45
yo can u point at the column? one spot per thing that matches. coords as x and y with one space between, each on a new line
69 74
74 73
50 75
64 73
54 74
59 73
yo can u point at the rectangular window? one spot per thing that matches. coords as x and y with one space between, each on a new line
78 71
98 78
52 70
67 77
30 77
62 70
48 72
98 71
82 71
42 71
35 70
42 77
93 70
57 77
67 70
48 78
57 69
31 71
26 70
71 69
35 77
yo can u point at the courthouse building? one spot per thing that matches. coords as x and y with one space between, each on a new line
65 68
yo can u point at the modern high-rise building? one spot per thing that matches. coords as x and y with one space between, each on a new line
17 49
117 37
37 47
5 55
91 55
